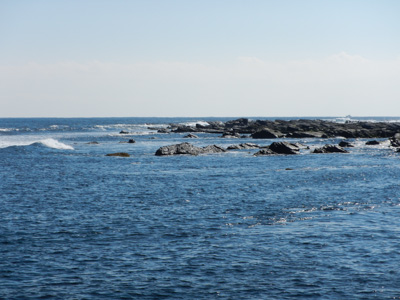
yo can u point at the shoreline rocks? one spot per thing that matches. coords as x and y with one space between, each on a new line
301 128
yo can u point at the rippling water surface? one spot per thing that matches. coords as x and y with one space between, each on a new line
75 224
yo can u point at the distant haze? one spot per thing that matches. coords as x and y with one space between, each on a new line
205 58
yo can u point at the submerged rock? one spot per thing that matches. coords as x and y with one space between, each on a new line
191 136
243 146
188 149
330 149
123 132
120 154
162 130
265 151
231 135
346 144
372 143
395 140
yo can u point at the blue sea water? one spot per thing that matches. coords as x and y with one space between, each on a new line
76 224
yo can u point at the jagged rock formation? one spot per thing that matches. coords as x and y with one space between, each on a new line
279 148
188 149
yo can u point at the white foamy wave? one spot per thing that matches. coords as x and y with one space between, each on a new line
6 129
50 143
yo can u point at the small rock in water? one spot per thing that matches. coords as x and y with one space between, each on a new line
131 141
123 132
191 136
371 143
120 154
330 149
346 144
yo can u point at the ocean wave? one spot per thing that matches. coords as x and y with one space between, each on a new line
49 143
6 129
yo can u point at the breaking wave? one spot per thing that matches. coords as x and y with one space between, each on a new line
49 143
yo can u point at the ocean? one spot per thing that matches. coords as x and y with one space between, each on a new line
77 224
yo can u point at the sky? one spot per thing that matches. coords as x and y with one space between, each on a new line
173 58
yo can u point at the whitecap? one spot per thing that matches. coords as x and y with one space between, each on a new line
50 143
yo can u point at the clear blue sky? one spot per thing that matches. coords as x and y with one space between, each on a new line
199 58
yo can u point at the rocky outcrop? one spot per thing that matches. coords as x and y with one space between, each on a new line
279 148
191 136
188 149
330 149
284 148
120 154
302 128
264 133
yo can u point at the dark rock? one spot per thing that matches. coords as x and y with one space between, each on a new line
237 123
184 128
330 149
243 146
231 135
131 141
371 143
264 134
188 149
306 134
279 148
93 143
346 144
265 151
123 132
184 148
213 149
284 148
191 136
163 130
121 154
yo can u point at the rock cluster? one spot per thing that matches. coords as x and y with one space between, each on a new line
302 128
